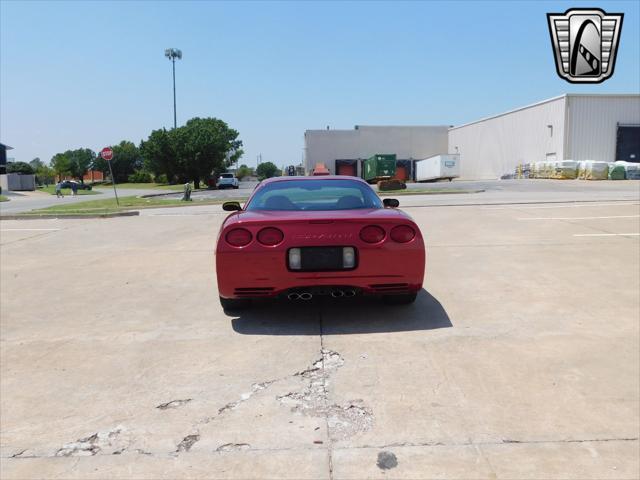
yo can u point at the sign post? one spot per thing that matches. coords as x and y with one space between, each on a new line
107 154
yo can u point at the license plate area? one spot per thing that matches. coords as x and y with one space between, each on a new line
323 259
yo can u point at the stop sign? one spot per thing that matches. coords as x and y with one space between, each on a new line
106 153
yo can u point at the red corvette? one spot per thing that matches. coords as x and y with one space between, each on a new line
300 237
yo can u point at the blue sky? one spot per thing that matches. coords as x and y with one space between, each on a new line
89 74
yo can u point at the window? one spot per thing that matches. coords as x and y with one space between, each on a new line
314 195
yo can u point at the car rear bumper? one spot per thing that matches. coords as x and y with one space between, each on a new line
260 275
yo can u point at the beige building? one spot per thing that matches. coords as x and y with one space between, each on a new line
569 127
350 147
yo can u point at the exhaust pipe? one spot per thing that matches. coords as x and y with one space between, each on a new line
293 296
337 293
349 293
305 296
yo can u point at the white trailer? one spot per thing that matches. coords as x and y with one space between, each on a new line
440 166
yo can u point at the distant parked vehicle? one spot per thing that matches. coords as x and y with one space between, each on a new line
227 180
438 167
79 186
379 167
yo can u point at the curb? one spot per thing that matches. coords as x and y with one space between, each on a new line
70 216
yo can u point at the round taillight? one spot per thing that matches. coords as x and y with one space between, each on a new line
238 237
372 234
270 236
402 233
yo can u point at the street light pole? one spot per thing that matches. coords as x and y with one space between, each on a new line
172 54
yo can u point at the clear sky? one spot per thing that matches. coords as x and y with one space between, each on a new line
89 74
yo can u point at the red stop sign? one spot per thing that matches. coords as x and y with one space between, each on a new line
106 153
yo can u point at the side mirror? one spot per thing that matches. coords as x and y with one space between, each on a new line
231 206
390 203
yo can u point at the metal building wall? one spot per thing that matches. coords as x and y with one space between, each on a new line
362 142
592 124
492 147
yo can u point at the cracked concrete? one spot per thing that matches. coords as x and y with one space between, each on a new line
173 404
506 381
106 442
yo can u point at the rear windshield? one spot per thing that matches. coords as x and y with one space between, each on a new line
314 195
227 175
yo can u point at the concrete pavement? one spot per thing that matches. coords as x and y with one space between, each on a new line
520 358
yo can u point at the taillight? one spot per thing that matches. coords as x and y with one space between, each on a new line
402 233
238 237
372 234
270 236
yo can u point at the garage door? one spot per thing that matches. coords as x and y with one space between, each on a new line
347 169
628 143
401 173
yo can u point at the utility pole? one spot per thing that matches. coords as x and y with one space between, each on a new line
172 54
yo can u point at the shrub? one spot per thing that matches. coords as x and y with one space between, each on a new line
20 167
385 185
161 179
140 177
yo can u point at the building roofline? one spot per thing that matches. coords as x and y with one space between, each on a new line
358 127
548 100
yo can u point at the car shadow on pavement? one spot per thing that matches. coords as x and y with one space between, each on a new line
328 316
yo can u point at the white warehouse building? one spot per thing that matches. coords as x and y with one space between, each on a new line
569 127
348 148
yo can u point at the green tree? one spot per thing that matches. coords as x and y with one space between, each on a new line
36 163
159 156
61 164
205 146
45 175
80 161
243 171
192 152
266 170
19 167
126 160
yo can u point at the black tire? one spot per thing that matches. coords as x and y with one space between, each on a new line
404 299
234 303
450 179
235 188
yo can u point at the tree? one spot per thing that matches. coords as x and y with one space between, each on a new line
19 167
206 145
61 164
126 160
159 156
266 170
244 171
203 146
80 161
36 163
45 175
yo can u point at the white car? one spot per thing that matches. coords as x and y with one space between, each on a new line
227 180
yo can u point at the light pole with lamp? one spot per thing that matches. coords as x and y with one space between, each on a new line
172 54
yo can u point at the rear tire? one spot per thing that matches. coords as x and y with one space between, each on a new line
234 303
236 187
404 299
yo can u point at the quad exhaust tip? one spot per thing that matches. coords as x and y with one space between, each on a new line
334 293
300 296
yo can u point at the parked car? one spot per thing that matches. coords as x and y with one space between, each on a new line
79 185
227 180
300 237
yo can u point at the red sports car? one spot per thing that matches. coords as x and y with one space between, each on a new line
300 237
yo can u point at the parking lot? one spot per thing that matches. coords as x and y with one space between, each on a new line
519 359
